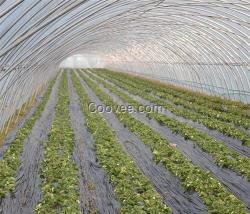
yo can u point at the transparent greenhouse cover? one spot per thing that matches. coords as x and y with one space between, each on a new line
201 45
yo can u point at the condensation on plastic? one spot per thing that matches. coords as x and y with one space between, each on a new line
200 45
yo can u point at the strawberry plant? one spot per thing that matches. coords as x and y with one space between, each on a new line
132 188
215 196
211 123
59 173
11 159
212 102
223 155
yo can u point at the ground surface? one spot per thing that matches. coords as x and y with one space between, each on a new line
188 155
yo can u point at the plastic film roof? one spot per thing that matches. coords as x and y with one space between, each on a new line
202 45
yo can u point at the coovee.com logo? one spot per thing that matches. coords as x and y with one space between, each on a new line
99 108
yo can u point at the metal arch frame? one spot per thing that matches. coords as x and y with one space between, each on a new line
200 45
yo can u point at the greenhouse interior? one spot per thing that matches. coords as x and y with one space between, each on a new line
124 106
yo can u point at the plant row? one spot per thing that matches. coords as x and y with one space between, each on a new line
211 123
216 103
132 188
59 173
163 92
223 155
215 196
11 159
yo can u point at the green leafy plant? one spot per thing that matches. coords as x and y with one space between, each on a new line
132 188
223 155
215 196
59 172
212 102
212 123
11 159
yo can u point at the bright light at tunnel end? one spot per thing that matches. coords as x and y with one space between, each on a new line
82 61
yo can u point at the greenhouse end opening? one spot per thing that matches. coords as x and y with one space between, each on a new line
124 106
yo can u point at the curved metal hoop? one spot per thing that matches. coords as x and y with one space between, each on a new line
202 45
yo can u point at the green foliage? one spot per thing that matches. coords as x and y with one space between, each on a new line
11 159
212 121
215 196
132 188
223 155
59 172
209 102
